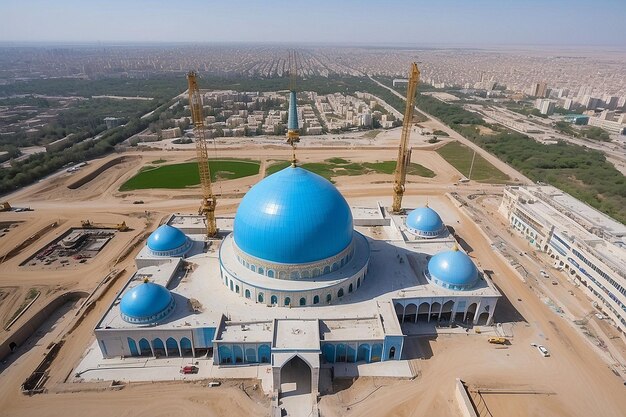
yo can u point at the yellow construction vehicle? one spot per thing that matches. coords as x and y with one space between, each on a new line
498 340
209 201
404 152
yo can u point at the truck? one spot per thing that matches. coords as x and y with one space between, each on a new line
498 340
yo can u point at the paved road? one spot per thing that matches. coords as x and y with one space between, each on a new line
502 166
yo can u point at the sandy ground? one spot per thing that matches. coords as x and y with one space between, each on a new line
581 382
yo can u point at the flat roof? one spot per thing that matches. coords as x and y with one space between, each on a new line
301 334
585 211
246 332
365 328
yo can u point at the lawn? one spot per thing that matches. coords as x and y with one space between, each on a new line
335 167
460 157
186 174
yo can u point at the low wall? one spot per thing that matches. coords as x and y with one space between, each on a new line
23 332
463 400
93 174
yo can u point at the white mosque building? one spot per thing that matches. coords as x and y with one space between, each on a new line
298 278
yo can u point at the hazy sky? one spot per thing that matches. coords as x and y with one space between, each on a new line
571 22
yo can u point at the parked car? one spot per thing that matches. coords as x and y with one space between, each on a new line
543 273
542 349
189 369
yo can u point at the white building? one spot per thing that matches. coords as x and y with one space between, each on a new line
587 244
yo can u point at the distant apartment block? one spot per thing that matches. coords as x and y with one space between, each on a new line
587 245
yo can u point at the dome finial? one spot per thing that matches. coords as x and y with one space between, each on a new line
455 247
426 201
146 280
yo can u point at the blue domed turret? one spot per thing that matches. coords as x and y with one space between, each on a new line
424 222
168 241
453 269
147 303
293 216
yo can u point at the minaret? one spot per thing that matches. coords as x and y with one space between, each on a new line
293 132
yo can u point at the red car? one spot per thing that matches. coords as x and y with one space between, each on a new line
189 369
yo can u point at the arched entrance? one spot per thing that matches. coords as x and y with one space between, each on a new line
295 377
483 318
435 310
410 313
422 312
446 311
471 312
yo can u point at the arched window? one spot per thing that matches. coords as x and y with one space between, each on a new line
350 288
303 301
260 298
328 298
172 347
231 285
287 301
264 353
316 299
358 282
144 348
158 347
247 293
185 347
392 352
340 293
270 273
253 268
133 347
237 289
274 300
261 270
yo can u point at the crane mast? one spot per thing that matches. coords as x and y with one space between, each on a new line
207 206
404 152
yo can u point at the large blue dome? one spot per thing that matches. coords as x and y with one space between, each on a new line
168 240
146 303
453 269
293 216
424 221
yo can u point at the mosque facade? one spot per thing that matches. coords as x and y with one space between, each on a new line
297 272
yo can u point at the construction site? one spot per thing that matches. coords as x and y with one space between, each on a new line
77 245
62 279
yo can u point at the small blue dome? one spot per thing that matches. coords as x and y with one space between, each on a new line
293 216
424 221
146 303
453 269
167 239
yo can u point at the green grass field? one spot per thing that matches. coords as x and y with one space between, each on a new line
186 174
335 167
460 157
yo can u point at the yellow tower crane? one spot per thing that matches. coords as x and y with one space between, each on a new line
207 206
404 152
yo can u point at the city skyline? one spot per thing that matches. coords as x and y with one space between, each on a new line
484 22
